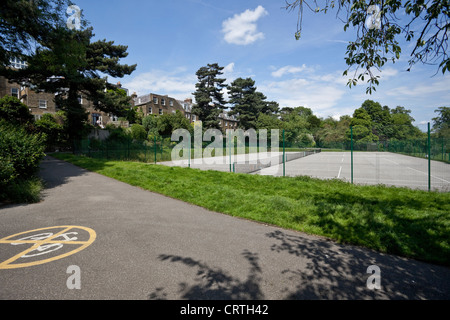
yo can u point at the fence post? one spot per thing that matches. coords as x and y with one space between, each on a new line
154 147
229 148
351 148
284 154
190 153
429 157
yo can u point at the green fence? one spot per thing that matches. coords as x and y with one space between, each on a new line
236 151
422 163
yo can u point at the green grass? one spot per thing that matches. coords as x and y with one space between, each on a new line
399 221
22 191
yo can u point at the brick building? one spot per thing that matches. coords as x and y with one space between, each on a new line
38 103
157 104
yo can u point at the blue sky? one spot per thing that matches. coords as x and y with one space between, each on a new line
170 40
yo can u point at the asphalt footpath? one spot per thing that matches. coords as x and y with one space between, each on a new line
92 237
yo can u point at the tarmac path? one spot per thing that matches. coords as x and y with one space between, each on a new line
92 237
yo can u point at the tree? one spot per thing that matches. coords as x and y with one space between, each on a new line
23 24
246 102
378 28
150 124
402 125
362 127
53 130
168 123
138 132
441 124
69 64
380 118
14 111
209 99
295 123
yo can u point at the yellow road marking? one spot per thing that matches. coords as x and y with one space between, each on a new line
36 244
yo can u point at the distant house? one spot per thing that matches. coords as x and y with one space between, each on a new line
40 103
156 104
228 122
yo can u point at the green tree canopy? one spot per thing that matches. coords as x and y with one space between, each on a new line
14 111
247 103
25 24
441 124
379 26
71 65
209 99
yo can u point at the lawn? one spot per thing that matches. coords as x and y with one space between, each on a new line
409 223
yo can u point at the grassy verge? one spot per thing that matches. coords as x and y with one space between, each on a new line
21 191
400 221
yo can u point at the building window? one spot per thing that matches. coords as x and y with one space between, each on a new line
155 100
160 111
150 111
80 99
163 102
18 64
171 103
15 92
42 104
194 118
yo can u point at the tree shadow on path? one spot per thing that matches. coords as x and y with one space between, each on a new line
335 271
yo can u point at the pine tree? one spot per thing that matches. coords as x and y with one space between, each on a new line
70 65
210 102
248 104
25 24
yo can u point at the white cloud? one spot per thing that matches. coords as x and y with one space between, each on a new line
241 29
289 70
319 95
229 68
178 84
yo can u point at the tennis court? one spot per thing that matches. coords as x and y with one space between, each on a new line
369 168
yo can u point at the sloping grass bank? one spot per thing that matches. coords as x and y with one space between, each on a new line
400 221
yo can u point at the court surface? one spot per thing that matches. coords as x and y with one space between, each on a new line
369 168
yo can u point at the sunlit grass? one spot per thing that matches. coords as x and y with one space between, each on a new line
400 221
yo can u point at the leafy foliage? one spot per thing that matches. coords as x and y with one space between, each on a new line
20 152
378 28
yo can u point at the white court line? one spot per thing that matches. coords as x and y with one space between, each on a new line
425 173
340 169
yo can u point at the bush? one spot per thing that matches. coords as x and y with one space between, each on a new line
138 132
53 131
20 152
14 112
118 134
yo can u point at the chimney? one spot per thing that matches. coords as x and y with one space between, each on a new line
188 100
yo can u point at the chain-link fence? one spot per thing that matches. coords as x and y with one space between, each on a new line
235 151
420 163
